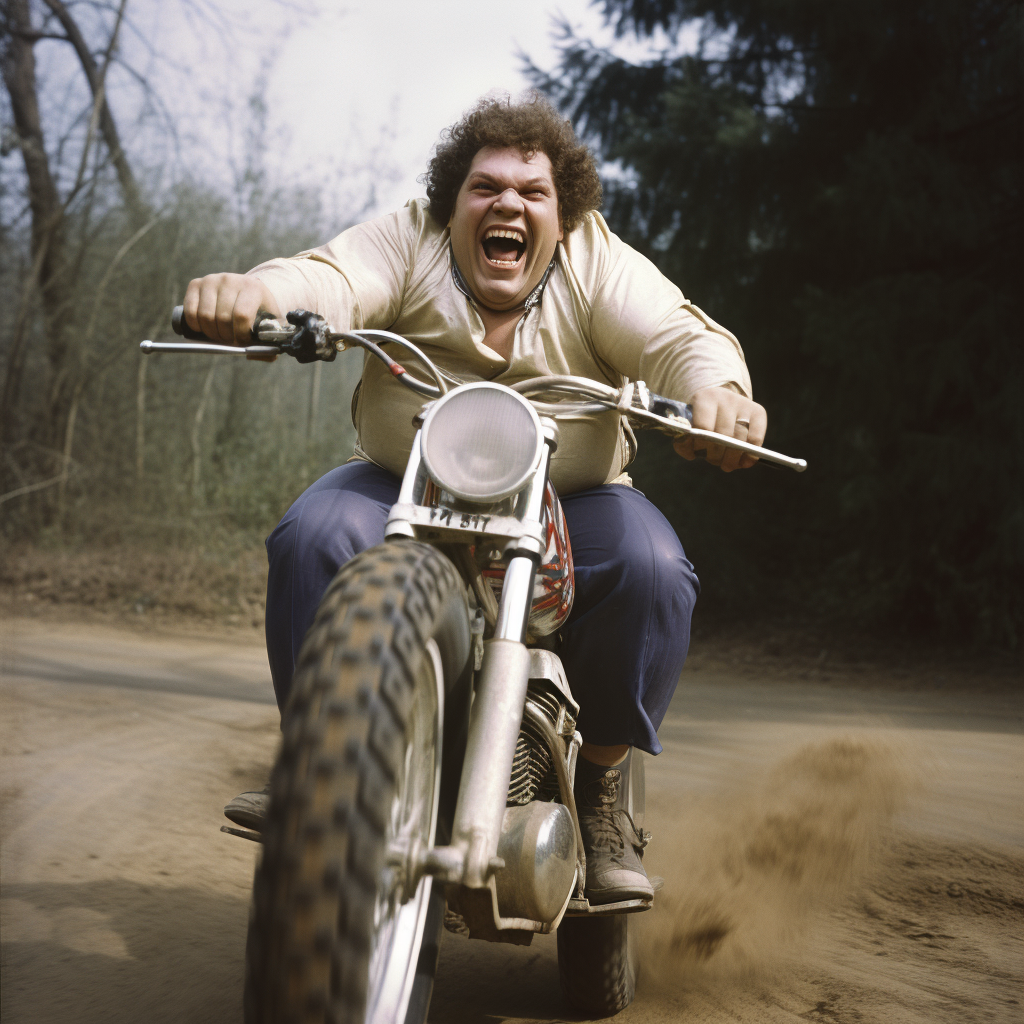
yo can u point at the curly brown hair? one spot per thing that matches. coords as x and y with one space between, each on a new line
531 126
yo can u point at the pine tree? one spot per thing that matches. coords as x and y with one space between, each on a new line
840 185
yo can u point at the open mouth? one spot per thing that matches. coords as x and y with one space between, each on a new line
504 247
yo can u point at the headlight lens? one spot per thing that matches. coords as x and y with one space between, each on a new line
481 442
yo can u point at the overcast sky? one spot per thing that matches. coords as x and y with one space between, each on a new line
411 66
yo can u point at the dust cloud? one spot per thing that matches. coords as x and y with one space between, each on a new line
749 868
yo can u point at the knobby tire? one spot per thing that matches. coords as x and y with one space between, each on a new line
346 732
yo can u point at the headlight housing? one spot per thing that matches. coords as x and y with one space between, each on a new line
481 442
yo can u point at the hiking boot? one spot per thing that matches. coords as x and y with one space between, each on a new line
249 809
612 843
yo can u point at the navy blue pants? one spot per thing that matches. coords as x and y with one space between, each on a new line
624 643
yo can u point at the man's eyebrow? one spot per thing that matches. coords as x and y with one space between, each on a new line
532 183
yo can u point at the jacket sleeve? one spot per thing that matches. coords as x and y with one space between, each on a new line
357 279
642 325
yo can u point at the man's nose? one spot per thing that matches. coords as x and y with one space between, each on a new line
509 201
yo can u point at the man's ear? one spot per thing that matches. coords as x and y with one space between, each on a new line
561 229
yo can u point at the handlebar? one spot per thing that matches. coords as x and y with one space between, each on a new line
308 337
180 326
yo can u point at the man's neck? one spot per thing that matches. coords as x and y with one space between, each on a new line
500 328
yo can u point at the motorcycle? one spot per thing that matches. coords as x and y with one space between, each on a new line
429 746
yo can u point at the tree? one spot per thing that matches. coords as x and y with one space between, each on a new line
52 272
98 245
841 186
47 210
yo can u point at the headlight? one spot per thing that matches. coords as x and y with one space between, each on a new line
481 442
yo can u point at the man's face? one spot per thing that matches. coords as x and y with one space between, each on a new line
505 225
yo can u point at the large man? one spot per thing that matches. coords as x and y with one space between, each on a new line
507 272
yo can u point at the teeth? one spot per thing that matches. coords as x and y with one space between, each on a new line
516 236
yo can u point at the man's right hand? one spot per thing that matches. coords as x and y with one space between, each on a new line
224 306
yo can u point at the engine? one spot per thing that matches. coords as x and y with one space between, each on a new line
533 774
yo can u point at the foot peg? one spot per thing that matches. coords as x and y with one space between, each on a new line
244 833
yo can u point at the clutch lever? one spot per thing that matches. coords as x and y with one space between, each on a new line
207 348
305 336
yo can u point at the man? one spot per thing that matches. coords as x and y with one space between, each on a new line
507 272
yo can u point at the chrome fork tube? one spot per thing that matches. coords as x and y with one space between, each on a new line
415 477
516 599
530 505
497 712
517 588
414 484
493 731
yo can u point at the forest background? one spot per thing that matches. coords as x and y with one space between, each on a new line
839 184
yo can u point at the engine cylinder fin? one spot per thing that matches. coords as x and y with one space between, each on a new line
533 774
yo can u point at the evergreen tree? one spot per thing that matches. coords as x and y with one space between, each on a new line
840 185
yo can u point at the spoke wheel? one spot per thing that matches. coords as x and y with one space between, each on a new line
341 930
400 916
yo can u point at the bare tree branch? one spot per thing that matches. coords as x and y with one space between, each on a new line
34 37
19 74
19 491
95 76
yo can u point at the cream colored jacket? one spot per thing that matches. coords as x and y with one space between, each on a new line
606 313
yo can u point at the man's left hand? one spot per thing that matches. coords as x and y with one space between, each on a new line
725 412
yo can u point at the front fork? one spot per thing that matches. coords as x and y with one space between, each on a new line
496 716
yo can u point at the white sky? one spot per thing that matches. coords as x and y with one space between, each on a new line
410 66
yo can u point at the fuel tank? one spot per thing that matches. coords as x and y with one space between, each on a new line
554 585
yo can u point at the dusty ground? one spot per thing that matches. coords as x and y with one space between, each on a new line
838 846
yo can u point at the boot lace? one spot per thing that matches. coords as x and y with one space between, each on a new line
606 833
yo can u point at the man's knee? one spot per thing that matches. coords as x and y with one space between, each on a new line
326 528
655 566
648 555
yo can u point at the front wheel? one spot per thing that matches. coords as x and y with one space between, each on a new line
597 962
336 935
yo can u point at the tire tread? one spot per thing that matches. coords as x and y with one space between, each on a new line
596 963
311 925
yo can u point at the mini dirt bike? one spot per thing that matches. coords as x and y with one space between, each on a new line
425 775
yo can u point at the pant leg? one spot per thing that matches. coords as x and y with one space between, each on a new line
629 630
340 515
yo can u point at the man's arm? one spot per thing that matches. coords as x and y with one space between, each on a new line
356 280
645 329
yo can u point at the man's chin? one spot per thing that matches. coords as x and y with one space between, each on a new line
500 295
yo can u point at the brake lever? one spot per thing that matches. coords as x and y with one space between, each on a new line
678 427
200 343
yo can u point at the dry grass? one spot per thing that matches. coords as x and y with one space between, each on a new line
133 581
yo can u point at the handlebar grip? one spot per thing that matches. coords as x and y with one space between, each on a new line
668 407
180 326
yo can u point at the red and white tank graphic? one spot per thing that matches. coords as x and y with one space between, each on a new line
554 584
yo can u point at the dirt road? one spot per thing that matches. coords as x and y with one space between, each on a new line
832 853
